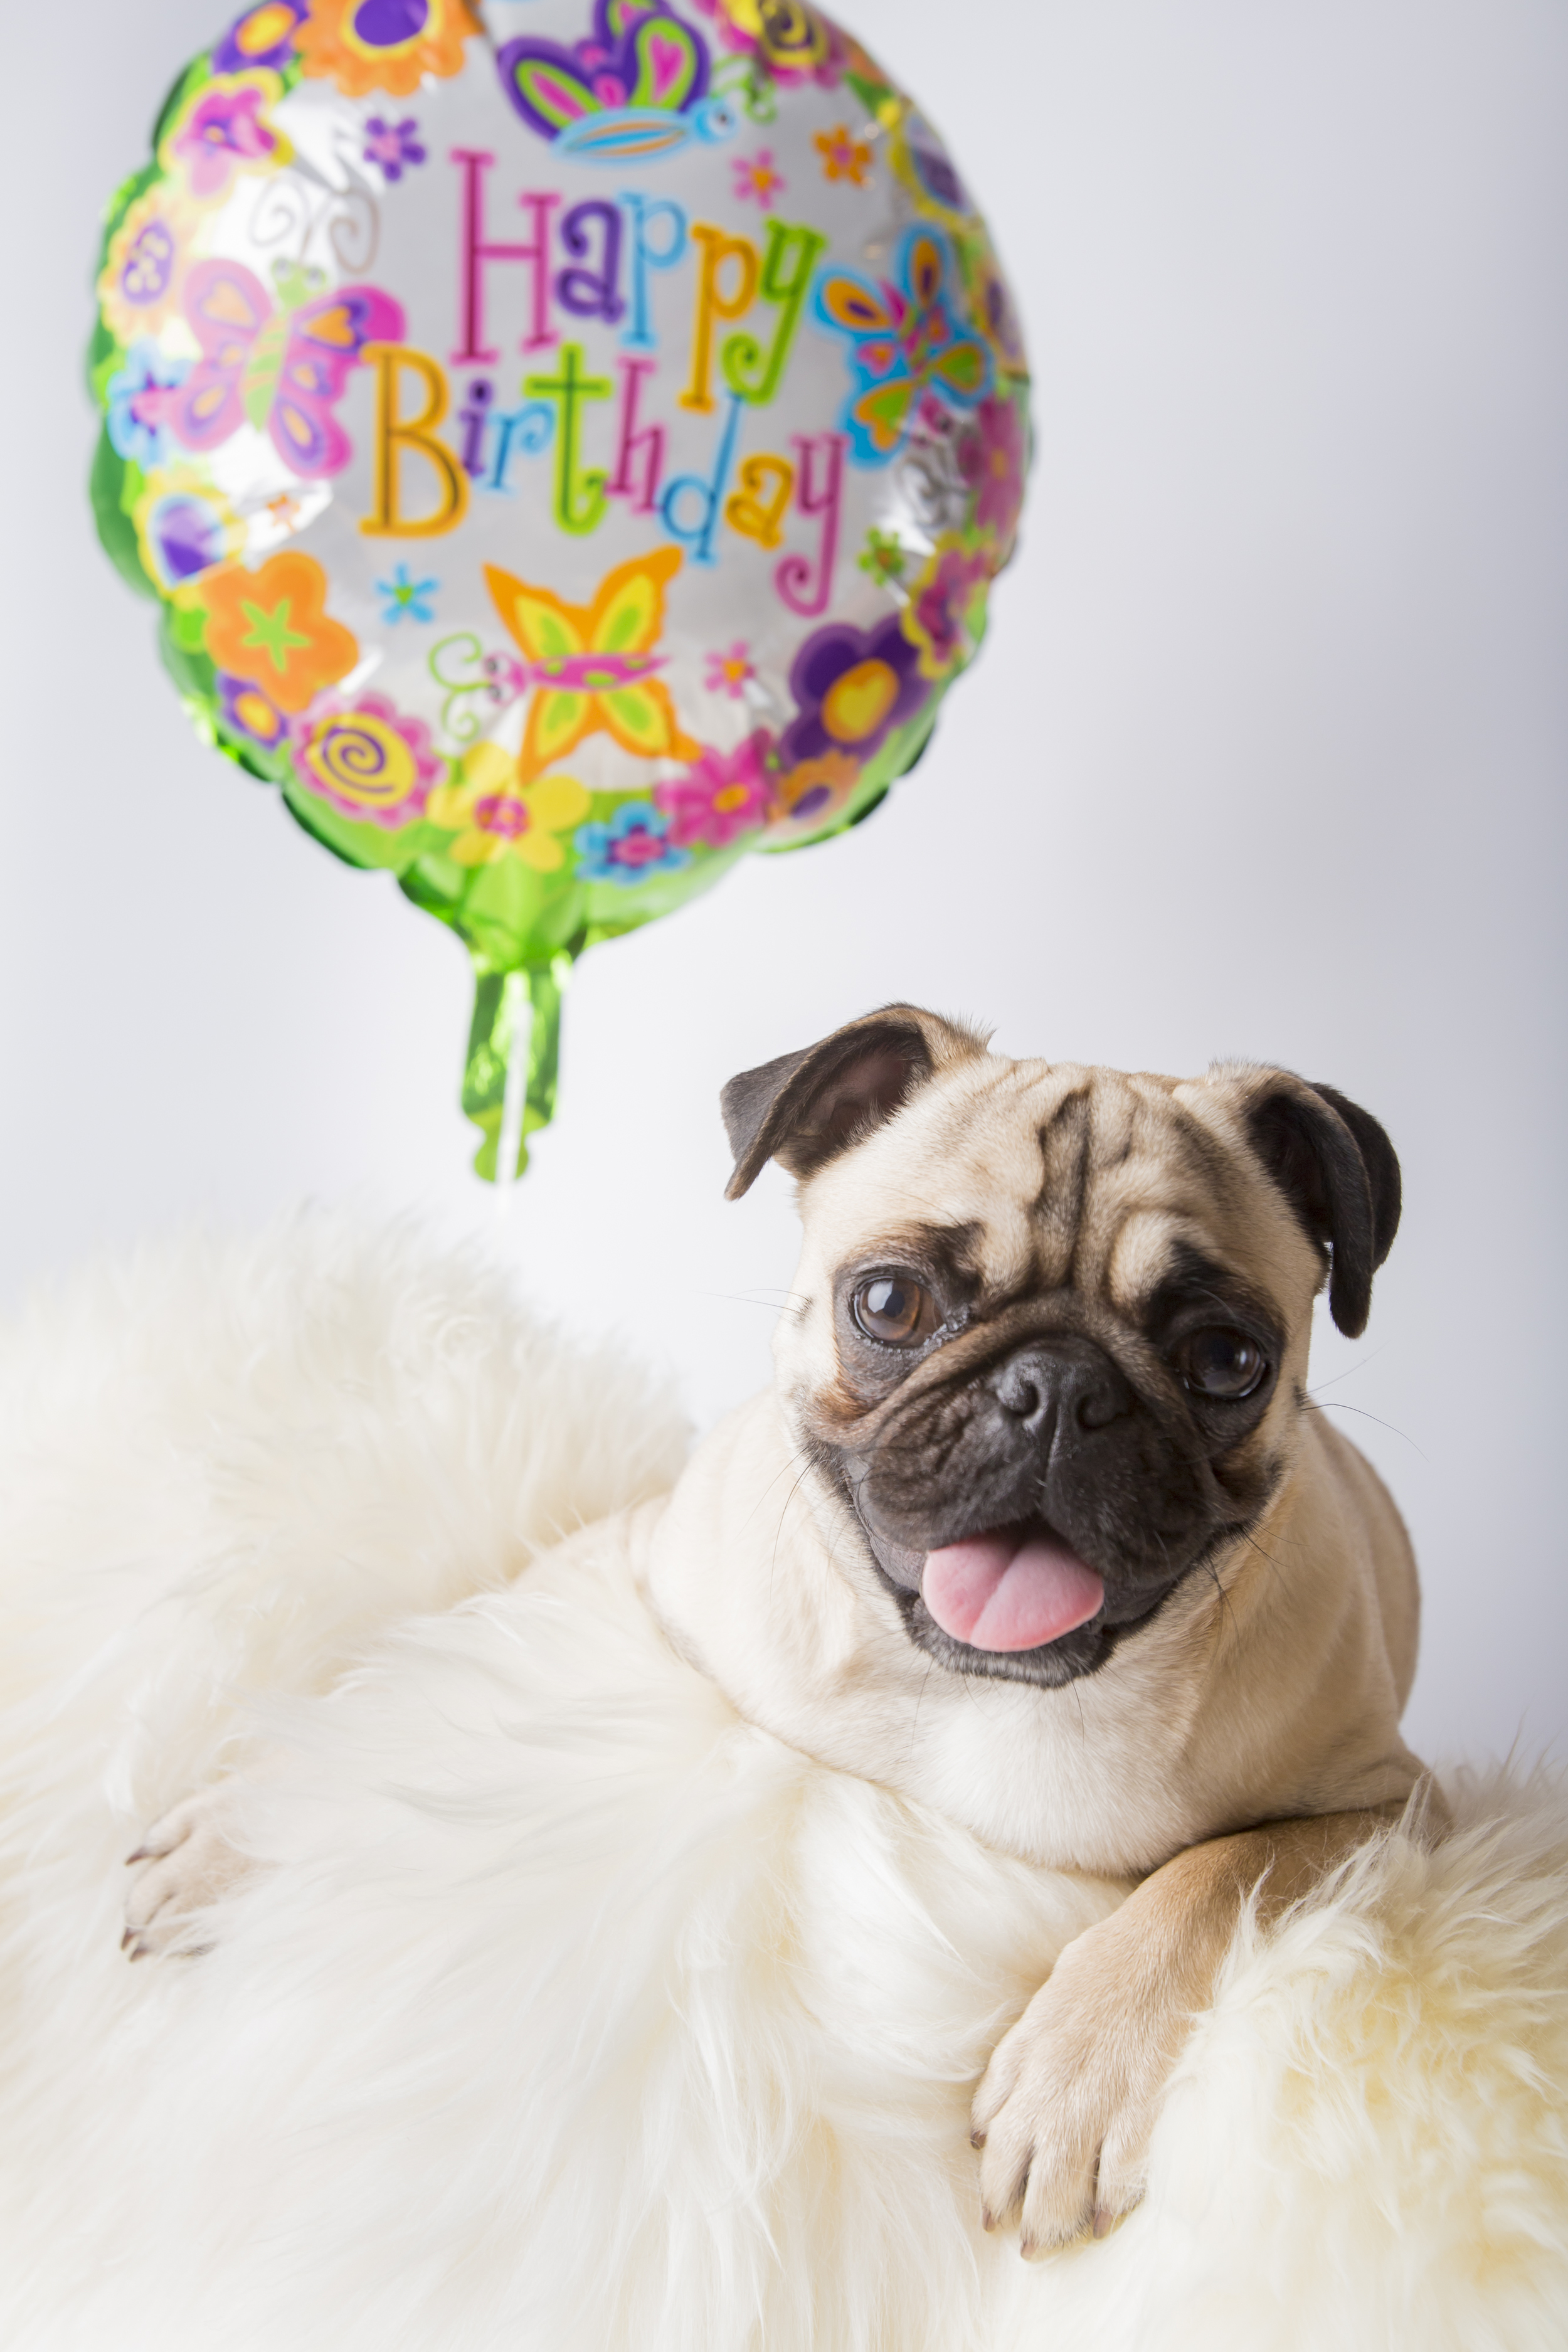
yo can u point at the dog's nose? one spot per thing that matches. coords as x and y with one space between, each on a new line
1067 1383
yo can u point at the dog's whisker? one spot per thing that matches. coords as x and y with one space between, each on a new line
1360 1365
1337 1404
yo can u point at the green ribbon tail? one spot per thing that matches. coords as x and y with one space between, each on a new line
514 1051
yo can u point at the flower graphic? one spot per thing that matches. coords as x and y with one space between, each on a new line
794 43
842 157
991 458
282 508
404 594
388 45
755 177
851 687
807 796
138 285
722 796
591 665
271 627
247 711
184 526
221 130
923 164
394 146
262 37
882 556
992 306
728 672
633 847
501 817
936 617
138 404
367 760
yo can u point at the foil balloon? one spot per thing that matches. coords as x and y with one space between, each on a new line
571 442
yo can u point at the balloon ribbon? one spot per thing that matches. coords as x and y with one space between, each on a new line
514 1050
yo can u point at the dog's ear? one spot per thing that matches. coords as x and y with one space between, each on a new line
806 1108
1338 1169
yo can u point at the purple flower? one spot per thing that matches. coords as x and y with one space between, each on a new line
247 711
264 35
852 687
393 145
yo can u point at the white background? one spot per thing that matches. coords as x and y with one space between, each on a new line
1264 757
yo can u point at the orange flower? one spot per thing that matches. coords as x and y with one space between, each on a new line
365 44
271 627
810 795
842 157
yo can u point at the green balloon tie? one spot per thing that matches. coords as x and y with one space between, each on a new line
514 1051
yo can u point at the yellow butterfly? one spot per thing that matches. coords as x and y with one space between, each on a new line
590 665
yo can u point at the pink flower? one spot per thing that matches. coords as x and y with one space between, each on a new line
366 758
223 132
720 797
756 177
935 618
728 672
991 459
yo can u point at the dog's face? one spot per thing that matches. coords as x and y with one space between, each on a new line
1051 1327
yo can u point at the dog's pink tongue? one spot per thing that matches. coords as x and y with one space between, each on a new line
999 1592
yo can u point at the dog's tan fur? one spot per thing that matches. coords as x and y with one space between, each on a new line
1247 1732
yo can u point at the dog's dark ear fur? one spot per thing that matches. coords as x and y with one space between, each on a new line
805 1108
1337 1168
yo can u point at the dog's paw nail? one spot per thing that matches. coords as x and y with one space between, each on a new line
987 2219
142 1853
1030 2250
1104 2221
128 1939
138 1951
976 2139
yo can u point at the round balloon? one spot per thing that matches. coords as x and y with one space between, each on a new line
572 442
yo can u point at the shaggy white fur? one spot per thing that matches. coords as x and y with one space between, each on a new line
572 2011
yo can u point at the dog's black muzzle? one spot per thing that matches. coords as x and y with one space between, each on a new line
1054 1436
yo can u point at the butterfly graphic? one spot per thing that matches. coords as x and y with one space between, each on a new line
638 134
589 665
637 88
907 343
279 367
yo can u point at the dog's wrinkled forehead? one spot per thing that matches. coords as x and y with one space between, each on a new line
907 1131
1050 1177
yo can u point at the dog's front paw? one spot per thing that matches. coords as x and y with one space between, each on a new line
1065 2110
184 1862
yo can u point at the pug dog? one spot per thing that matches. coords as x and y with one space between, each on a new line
1039 1527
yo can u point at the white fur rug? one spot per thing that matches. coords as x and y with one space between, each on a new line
575 2013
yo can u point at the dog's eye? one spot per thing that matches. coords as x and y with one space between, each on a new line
1225 1364
892 1308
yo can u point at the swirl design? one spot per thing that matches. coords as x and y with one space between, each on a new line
362 759
793 35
